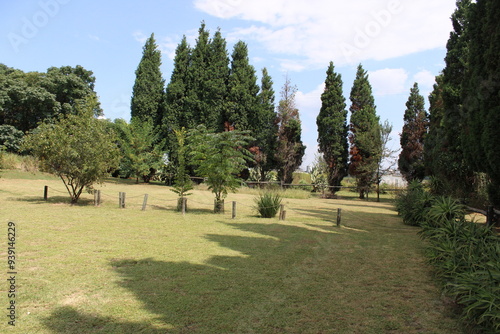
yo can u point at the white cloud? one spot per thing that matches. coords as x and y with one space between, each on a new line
346 32
425 79
388 81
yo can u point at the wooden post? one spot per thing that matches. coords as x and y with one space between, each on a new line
145 202
233 215
282 209
490 216
97 197
283 215
339 215
45 192
121 200
183 205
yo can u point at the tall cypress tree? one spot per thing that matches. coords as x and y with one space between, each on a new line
265 130
242 112
482 93
411 158
364 136
290 148
148 91
332 129
217 81
176 114
198 88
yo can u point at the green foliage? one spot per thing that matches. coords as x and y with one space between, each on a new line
26 99
268 204
413 204
364 137
141 155
411 158
319 178
290 149
76 148
219 157
10 138
332 129
466 257
148 90
182 182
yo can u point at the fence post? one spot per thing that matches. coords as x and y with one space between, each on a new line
97 197
339 215
233 215
145 202
490 216
282 209
45 192
121 200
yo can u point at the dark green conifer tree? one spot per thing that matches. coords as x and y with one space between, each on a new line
364 136
265 129
332 129
416 123
148 91
242 112
481 93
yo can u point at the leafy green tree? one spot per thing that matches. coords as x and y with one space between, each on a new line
219 157
77 148
148 90
364 136
290 148
26 99
142 155
242 112
10 138
332 129
416 123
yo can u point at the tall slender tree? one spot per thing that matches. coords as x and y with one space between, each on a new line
332 129
148 90
265 129
416 123
364 136
290 148
242 112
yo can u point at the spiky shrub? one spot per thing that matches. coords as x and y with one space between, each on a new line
268 204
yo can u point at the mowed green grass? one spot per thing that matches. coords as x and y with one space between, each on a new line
86 269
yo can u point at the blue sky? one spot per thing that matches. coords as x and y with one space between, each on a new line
398 42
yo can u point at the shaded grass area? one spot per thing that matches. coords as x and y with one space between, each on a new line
86 269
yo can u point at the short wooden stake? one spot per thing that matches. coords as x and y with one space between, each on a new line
283 215
145 202
339 215
121 200
97 197
233 215
282 209
45 192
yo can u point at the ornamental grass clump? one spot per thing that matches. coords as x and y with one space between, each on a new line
268 204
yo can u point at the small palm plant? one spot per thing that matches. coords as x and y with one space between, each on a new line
268 204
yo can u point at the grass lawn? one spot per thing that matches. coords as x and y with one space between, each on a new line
86 269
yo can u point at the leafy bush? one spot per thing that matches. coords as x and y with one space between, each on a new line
10 138
268 204
413 204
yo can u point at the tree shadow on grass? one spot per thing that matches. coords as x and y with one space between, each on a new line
53 200
246 292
